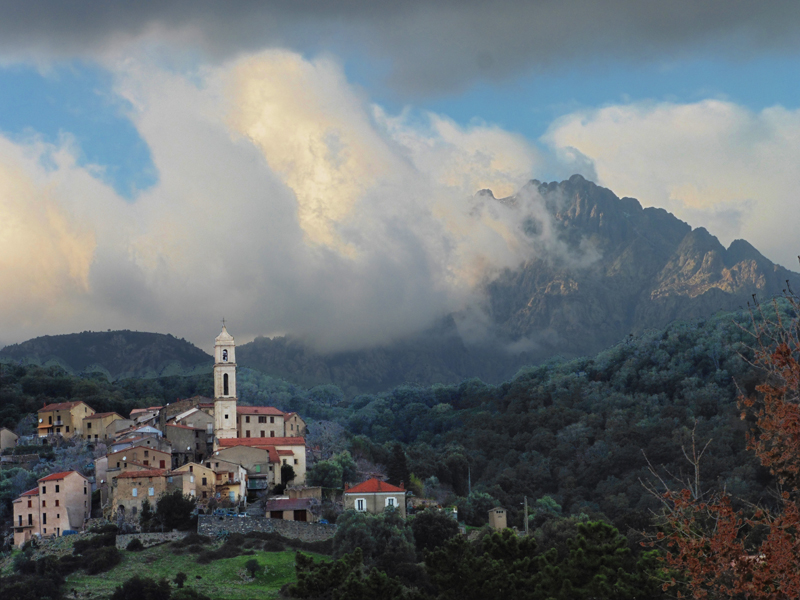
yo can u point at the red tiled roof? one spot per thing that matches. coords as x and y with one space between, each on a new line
61 406
285 453
33 492
259 410
289 504
102 415
138 474
56 476
263 442
372 486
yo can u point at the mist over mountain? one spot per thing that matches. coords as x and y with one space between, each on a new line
601 268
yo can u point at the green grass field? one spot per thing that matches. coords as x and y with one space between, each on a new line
220 580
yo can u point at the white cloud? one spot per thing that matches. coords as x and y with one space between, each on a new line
712 163
285 202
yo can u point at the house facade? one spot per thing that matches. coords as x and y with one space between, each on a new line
63 418
132 488
61 502
8 439
375 496
95 427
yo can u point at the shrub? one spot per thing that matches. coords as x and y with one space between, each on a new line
105 528
142 588
180 579
252 566
135 545
102 559
192 539
189 594
98 541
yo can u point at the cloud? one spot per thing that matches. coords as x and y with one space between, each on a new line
286 202
426 47
712 163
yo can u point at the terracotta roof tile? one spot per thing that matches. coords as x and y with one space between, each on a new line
259 410
263 442
55 476
33 492
285 453
102 415
372 486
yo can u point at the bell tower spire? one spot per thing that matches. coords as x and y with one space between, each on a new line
224 385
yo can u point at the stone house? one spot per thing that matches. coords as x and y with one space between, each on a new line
204 480
194 417
231 478
188 443
291 509
95 427
8 439
114 428
259 463
291 451
375 496
61 502
259 422
131 488
143 454
293 425
63 418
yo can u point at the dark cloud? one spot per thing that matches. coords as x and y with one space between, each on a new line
429 47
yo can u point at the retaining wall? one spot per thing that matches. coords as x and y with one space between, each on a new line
300 530
148 539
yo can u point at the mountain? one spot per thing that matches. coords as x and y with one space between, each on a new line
610 269
651 269
117 354
622 269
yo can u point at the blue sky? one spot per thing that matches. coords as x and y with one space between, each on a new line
77 98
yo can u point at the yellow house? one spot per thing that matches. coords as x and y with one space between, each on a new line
63 418
95 427
8 439
203 479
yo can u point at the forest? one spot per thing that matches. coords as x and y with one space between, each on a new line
574 437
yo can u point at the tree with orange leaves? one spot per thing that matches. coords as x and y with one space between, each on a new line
717 551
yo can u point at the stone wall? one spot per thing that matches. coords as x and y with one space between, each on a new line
148 539
307 532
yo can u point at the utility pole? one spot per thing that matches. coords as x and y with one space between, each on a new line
469 479
526 516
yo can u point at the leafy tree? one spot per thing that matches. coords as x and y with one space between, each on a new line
474 509
142 588
146 516
252 567
287 474
385 540
432 528
174 511
326 474
180 579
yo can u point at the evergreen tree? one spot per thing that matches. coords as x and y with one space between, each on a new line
397 469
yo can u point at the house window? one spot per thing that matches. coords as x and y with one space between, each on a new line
49 420
225 385
44 489
161 464
147 463
30 519
360 504
44 503
262 419
297 462
205 494
30 504
247 433
58 489
226 416
271 434
151 491
134 492
88 426
84 491
291 426
57 502
390 502
67 428
272 419
44 520
191 469
262 433
247 419
205 482
20 520
191 478
147 452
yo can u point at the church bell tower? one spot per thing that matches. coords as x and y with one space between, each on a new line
224 386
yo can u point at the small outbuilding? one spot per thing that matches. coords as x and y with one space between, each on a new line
291 509
498 519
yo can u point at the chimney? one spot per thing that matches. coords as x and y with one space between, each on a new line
346 486
402 485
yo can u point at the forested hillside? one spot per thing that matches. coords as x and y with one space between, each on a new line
116 354
574 431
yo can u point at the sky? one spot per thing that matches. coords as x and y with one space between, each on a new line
310 168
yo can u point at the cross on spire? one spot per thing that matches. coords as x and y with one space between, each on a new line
223 321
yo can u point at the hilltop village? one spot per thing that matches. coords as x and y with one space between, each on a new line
212 449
